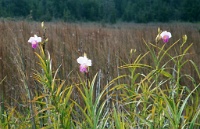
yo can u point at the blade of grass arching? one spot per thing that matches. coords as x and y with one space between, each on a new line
166 74
153 114
46 71
160 49
149 76
104 124
94 109
10 117
145 122
171 110
39 77
184 103
139 58
118 120
113 80
99 113
98 85
179 62
100 108
132 67
175 114
153 54
87 96
192 123
186 50
58 90
48 74
87 100
87 118
196 68
64 96
36 99
91 88
184 40
137 65
42 61
1 82
165 51
96 104
62 105
66 117
5 124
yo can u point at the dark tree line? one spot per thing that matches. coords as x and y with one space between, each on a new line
102 10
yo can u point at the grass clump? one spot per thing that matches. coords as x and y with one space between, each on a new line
155 95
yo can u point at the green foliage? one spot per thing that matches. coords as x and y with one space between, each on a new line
157 99
102 10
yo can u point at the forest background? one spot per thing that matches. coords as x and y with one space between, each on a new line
109 11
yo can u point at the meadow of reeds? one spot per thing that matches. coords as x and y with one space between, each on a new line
134 81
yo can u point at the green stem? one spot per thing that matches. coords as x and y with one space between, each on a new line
30 106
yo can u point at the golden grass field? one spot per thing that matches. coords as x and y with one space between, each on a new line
108 46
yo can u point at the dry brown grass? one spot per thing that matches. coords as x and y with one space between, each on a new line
107 46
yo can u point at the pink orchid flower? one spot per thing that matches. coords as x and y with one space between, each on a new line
165 36
34 41
84 63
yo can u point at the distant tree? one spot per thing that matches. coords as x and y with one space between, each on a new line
161 11
75 8
190 10
67 15
6 8
20 8
90 10
175 7
128 14
109 11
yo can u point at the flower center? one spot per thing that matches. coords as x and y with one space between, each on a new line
83 68
165 38
34 42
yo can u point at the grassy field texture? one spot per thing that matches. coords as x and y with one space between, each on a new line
134 81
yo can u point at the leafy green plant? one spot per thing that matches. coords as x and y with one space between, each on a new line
158 99
93 110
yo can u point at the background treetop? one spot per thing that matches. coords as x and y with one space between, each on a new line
140 11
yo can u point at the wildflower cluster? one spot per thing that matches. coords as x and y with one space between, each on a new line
82 60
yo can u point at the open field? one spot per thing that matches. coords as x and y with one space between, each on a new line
108 46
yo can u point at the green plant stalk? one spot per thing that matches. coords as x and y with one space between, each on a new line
133 75
118 119
30 106
2 101
192 123
45 78
57 107
21 69
93 109
174 112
